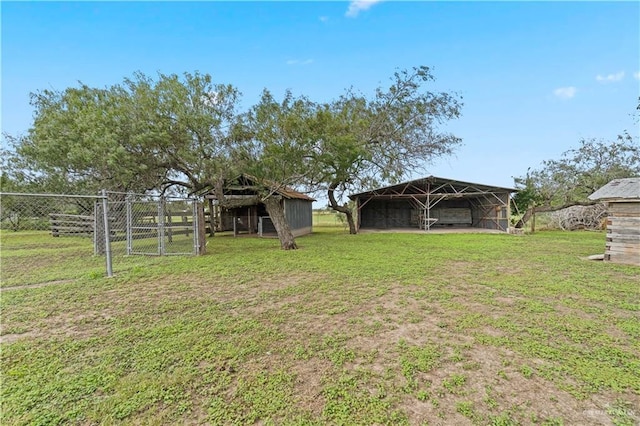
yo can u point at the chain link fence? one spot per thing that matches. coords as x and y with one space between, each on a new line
151 225
48 238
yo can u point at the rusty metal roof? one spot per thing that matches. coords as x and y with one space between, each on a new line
619 189
290 193
250 183
431 184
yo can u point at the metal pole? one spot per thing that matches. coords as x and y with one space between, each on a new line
161 227
96 251
107 233
196 228
129 225
428 224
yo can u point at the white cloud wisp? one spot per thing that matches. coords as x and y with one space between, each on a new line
565 92
356 6
611 77
299 61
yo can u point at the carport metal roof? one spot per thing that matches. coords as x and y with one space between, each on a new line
432 187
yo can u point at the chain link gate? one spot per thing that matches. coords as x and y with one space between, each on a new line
153 225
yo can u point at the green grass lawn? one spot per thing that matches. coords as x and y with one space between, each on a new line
365 329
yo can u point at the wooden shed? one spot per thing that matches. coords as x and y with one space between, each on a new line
434 202
251 217
622 198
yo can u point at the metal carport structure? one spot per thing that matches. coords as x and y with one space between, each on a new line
433 201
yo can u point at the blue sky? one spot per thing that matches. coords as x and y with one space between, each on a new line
535 77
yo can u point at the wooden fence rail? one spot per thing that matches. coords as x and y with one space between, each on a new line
75 225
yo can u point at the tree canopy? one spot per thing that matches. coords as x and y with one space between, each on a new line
361 142
188 133
579 172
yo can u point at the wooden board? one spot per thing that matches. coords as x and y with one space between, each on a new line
624 209
631 222
625 230
629 238
629 259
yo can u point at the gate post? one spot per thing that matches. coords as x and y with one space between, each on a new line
200 231
98 232
129 224
107 232
161 226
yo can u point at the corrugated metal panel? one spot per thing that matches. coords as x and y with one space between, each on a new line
435 181
618 189
299 213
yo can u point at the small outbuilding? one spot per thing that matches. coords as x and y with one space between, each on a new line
434 202
244 214
622 198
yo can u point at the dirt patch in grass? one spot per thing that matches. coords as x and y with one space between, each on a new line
14 337
38 285
318 340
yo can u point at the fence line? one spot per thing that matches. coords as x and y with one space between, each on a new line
120 224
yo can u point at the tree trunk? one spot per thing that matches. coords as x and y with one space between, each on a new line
275 209
533 221
342 209
525 218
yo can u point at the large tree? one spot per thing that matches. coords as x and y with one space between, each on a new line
82 140
139 135
579 172
277 152
188 126
183 133
361 142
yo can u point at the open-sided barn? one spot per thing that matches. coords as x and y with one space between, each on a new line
249 216
622 197
434 202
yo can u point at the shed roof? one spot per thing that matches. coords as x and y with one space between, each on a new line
435 185
250 183
618 189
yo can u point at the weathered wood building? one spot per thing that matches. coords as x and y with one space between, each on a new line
622 198
434 202
251 217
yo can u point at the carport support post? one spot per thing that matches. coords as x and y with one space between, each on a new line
107 232
428 224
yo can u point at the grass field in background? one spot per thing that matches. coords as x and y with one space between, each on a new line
350 329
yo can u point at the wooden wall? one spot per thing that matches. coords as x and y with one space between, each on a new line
623 233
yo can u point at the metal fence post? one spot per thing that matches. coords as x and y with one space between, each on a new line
129 224
161 226
96 242
107 232
200 235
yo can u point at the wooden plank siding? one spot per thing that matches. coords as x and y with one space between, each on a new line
623 233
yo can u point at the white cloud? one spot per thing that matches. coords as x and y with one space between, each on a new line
565 92
324 19
358 5
299 61
611 77
636 75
